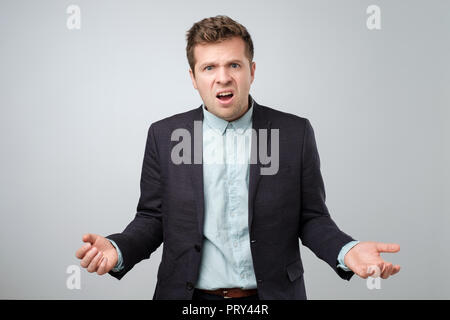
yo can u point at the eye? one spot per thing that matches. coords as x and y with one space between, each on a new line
235 64
206 68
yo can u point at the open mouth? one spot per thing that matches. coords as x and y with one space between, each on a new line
225 98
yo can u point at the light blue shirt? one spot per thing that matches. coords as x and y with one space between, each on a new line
226 256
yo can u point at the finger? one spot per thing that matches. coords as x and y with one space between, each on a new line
82 251
374 270
92 267
88 257
387 247
102 268
395 269
387 271
369 273
370 270
89 237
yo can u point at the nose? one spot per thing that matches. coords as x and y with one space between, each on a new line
223 76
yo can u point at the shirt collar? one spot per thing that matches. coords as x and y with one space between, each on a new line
220 124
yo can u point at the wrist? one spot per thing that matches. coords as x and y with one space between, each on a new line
348 255
343 253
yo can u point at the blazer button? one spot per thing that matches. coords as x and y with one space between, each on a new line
253 241
189 285
197 247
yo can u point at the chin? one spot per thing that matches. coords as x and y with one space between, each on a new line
226 114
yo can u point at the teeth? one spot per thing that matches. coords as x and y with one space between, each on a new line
224 93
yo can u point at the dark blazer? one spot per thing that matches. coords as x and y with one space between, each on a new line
282 208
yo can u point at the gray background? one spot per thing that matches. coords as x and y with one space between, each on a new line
76 106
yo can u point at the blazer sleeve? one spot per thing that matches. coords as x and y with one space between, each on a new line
144 234
318 231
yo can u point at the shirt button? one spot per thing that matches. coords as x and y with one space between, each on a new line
235 244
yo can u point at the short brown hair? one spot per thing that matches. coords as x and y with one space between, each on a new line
216 29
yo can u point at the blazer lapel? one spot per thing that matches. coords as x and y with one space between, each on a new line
259 121
196 166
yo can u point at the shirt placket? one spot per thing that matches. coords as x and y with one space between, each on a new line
233 209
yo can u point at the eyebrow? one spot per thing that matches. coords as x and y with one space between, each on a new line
214 63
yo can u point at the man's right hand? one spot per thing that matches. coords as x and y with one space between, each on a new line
97 255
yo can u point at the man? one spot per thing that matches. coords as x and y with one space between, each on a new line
228 230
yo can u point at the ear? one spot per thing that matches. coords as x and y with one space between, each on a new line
194 83
252 72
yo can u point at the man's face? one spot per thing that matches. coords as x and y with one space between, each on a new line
223 67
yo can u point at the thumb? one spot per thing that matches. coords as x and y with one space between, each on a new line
89 237
387 247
